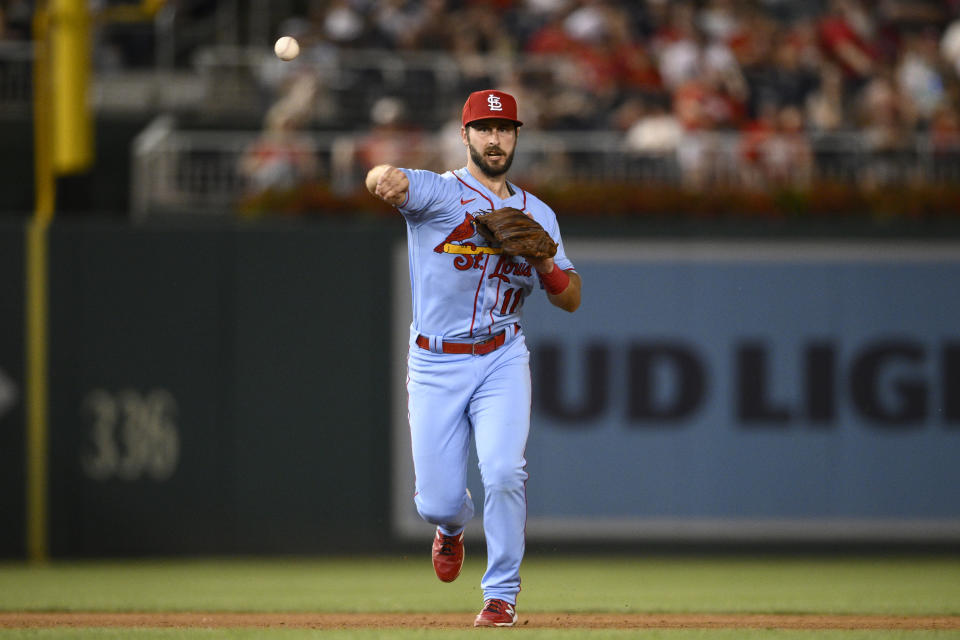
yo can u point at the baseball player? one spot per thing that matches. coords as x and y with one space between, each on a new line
478 247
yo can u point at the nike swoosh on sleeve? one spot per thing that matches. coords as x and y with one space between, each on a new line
462 201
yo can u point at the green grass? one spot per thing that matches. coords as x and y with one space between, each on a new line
904 586
854 585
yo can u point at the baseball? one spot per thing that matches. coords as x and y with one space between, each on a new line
286 48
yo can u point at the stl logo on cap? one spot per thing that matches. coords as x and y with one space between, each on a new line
490 104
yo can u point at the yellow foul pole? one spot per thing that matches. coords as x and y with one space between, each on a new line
36 293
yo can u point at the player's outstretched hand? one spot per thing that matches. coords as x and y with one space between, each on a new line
388 183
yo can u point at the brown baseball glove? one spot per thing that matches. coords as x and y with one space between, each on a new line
517 233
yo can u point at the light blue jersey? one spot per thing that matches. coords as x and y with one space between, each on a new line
462 287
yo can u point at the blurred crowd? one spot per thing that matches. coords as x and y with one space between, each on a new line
789 77
653 68
785 75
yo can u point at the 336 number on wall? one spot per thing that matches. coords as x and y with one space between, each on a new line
131 435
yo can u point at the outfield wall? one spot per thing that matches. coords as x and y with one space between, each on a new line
212 390
238 389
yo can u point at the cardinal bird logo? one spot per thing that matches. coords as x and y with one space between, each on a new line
463 231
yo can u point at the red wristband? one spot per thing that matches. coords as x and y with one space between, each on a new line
556 281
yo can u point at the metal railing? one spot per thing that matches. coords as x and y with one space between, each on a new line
203 171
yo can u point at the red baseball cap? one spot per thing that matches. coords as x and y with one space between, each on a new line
489 104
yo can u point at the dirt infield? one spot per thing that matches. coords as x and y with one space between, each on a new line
22 620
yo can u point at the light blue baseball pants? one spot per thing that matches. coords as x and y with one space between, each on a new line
450 397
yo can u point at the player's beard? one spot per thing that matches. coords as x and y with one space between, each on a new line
490 171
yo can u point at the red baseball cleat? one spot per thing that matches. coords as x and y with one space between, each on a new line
447 556
496 613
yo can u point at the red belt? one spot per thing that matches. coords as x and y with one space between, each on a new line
474 348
